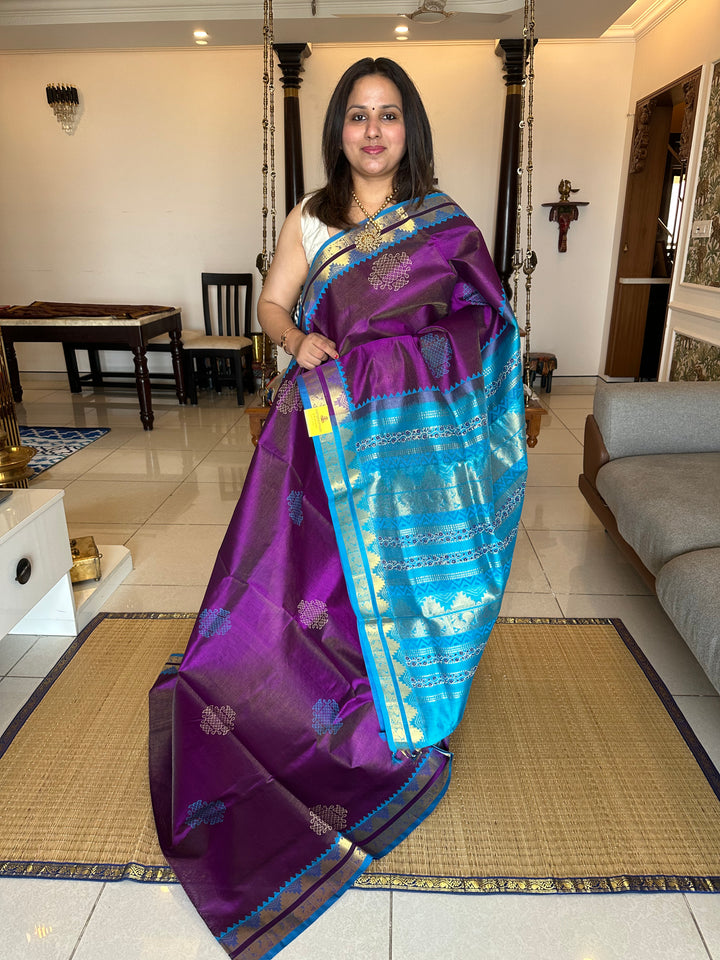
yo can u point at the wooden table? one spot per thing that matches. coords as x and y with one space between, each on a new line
130 333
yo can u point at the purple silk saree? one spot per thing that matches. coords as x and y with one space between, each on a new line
304 732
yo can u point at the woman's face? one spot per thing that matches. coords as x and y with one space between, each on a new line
373 138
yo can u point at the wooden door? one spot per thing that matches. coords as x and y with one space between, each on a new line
643 199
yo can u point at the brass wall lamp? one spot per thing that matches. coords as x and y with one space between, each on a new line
564 211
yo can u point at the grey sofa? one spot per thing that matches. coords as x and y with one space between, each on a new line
651 473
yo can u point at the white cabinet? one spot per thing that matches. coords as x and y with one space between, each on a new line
35 559
36 593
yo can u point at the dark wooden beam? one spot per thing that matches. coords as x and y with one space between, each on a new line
291 57
512 53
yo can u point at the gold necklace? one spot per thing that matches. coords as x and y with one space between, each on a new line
370 238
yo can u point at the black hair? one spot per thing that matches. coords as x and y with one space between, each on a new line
414 178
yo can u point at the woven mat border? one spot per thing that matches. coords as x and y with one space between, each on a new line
406 883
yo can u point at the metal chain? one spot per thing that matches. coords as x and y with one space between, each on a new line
530 259
268 125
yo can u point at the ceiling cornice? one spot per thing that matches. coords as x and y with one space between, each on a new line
646 21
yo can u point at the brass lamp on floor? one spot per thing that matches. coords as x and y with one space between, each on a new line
14 457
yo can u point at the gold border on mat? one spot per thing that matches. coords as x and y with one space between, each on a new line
634 884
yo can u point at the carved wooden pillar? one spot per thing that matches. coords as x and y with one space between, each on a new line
512 53
290 57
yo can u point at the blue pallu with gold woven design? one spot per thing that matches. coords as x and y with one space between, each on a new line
420 440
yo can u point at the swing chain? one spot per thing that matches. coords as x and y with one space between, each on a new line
268 125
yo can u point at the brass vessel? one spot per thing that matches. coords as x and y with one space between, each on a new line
14 461
86 559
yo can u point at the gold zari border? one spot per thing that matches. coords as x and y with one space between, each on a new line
539 885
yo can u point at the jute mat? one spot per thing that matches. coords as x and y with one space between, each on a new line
574 771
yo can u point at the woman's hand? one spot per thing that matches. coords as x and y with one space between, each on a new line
311 349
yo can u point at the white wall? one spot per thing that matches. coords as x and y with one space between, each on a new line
162 178
580 124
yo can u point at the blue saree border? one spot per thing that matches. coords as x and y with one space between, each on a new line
314 288
373 676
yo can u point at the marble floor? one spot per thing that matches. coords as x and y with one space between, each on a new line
175 487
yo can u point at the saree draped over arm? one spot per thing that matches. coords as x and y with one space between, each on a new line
304 731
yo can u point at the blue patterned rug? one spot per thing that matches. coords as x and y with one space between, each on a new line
54 444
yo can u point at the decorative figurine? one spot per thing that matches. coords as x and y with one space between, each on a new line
564 211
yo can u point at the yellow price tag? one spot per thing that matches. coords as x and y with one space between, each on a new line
318 421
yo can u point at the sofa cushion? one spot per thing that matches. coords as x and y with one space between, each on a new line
688 587
674 417
664 504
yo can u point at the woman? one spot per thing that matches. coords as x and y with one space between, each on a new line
304 734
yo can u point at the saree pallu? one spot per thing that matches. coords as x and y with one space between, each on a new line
304 732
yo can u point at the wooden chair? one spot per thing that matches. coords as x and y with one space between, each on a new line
224 353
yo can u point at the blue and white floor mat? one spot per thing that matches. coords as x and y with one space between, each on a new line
54 444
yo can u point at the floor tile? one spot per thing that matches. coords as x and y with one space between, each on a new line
554 470
555 441
238 437
174 553
569 927
193 502
45 481
356 927
224 466
653 632
44 918
131 463
209 414
118 415
155 599
569 401
550 421
526 574
14 692
703 715
12 648
705 907
572 418
182 436
557 508
41 657
585 562
37 394
45 414
146 921
529 605
111 501
108 533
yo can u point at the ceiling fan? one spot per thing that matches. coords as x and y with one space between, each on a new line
430 11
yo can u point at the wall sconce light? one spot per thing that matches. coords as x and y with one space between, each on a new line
65 105
564 211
